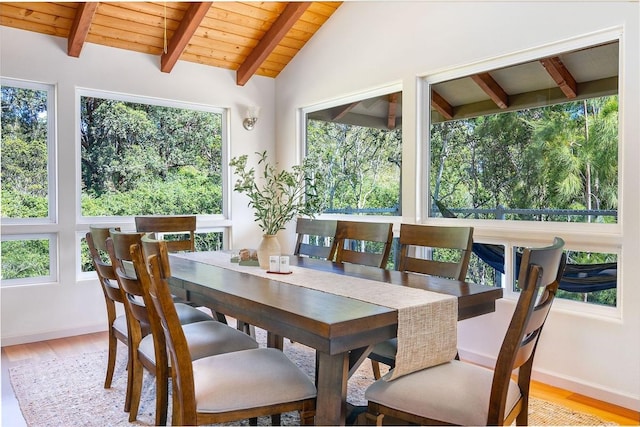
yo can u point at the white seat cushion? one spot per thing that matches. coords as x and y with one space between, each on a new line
248 379
455 392
188 314
205 339
120 324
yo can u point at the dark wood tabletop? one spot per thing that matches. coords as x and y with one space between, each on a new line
473 300
341 329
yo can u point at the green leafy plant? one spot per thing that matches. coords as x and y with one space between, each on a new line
277 196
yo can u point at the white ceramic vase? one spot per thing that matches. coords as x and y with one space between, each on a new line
268 246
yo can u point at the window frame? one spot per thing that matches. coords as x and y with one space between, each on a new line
42 228
302 120
138 99
588 237
52 174
207 223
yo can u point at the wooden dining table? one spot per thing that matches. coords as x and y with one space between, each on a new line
342 330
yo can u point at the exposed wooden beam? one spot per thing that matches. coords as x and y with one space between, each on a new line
343 110
492 88
441 105
272 37
393 108
563 78
189 24
80 28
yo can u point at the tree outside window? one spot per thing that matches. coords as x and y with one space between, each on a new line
28 196
535 156
141 159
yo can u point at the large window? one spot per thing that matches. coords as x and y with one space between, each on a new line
27 150
146 157
141 158
356 148
535 149
532 142
28 183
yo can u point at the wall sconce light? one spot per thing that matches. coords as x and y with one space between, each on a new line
251 117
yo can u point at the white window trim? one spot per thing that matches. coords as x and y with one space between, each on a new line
206 223
214 220
348 99
578 236
52 278
51 151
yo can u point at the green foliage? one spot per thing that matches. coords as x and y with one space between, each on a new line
558 157
360 166
25 258
178 194
276 196
24 153
142 159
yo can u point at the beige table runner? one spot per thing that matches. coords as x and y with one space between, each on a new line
427 321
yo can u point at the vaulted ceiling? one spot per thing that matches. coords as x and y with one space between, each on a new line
261 38
247 37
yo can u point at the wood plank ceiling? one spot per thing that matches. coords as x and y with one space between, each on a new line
263 37
247 37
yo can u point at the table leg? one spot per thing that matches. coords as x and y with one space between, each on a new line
356 357
275 341
331 404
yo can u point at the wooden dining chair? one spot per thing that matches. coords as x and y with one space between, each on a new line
180 228
205 336
365 243
315 238
226 387
455 245
433 250
464 393
179 233
114 298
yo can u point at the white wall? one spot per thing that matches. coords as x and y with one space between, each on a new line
31 313
368 45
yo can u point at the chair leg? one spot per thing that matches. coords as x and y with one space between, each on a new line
176 417
218 316
307 418
111 360
374 420
308 413
375 367
276 420
136 388
162 396
130 380
253 421
246 328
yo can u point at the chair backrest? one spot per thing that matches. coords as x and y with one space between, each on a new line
184 225
152 246
316 238
97 243
138 305
539 277
353 236
451 239
182 369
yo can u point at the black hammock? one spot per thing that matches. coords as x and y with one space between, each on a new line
576 277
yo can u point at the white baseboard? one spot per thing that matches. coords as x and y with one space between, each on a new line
574 385
594 391
51 335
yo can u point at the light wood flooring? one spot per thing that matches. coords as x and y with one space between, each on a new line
38 351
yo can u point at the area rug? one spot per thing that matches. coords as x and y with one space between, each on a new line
69 392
